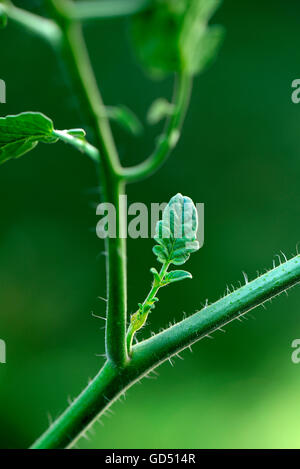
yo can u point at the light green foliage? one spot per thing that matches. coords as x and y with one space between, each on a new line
21 133
169 36
176 276
176 232
173 36
160 109
176 238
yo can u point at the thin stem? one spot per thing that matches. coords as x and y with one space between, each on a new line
111 383
169 139
138 319
94 10
36 24
116 271
65 34
75 56
80 144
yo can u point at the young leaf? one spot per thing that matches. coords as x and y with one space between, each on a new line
126 118
155 37
199 46
159 109
21 133
176 232
176 276
176 238
173 36
156 276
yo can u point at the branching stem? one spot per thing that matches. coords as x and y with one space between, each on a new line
75 57
139 318
121 371
111 383
169 139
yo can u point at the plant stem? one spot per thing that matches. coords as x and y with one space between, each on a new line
119 373
116 317
75 57
139 318
80 144
36 24
94 10
111 383
171 135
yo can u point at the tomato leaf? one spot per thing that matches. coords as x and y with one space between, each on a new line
21 133
176 276
174 36
176 232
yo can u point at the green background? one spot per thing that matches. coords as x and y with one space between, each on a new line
240 155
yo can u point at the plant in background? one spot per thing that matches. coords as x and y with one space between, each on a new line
170 37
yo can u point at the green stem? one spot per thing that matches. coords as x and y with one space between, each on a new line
114 380
111 383
43 27
116 271
157 286
79 144
94 10
140 317
75 57
65 34
171 135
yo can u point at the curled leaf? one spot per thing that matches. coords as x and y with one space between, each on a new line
79 133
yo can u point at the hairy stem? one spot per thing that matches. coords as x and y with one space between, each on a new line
111 383
139 318
169 139
120 372
75 57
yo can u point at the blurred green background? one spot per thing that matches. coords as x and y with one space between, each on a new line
240 155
